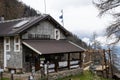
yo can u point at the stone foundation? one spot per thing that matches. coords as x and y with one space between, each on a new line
21 76
61 74
17 71
51 76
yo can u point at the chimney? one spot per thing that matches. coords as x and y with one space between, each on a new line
2 18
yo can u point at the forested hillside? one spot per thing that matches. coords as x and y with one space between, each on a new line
12 9
74 38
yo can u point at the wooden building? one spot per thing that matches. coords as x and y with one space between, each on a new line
35 41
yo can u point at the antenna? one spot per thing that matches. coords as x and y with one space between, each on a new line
45 5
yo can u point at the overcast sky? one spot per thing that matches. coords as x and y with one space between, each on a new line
80 16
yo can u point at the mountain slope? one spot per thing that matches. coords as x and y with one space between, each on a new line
12 9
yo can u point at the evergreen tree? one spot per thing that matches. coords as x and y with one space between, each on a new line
12 9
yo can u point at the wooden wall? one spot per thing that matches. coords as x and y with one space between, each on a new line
44 28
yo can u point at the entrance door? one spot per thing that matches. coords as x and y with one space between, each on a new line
37 63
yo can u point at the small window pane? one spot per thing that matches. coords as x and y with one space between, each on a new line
16 43
7 40
57 33
7 47
56 36
17 40
17 47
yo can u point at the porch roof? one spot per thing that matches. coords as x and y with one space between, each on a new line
52 46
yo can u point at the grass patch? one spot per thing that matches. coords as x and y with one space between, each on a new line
85 76
5 79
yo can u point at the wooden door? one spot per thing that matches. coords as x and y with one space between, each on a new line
37 63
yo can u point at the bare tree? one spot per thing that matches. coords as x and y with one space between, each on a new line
111 6
95 43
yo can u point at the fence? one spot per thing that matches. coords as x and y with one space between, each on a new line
63 65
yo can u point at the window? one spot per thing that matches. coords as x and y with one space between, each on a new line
16 43
57 34
38 36
7 40
7 43
17 40
17 47
7 47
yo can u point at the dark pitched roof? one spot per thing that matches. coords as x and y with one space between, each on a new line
6 27
9 27
52 46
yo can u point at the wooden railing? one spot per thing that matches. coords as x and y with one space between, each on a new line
87 64
62 65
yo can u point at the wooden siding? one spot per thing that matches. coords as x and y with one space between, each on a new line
44 28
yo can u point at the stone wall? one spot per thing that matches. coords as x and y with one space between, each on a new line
61 74
21 76
51 76
15 58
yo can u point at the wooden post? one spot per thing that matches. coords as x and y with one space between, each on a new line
90 56
110 62
1 75
56 64
68 60
12 77
105 63
80 60
12 72
102 62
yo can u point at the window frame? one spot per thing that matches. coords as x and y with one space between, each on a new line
7 44
16 43
57 34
